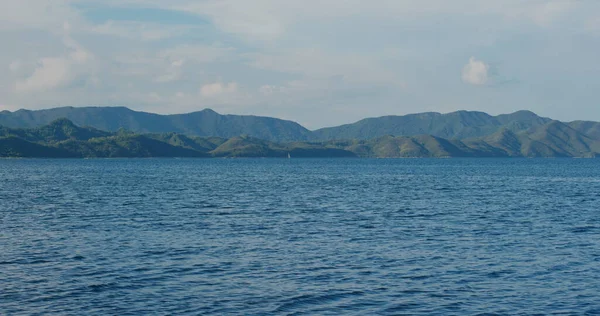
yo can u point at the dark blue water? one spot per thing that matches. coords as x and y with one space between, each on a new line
290 237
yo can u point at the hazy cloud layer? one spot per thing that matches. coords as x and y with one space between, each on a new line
320 63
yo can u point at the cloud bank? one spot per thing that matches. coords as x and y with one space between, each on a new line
320 63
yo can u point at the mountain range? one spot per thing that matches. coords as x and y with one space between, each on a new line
202 123
63 139
455 125
121 132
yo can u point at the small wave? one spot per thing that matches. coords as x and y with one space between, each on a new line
584 229
101 287
498 274
303 301
402 307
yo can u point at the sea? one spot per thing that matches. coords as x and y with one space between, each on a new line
300 237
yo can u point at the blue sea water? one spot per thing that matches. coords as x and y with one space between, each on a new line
294 237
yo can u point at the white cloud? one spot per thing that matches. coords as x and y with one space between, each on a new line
48 15
270 20
168 77
286 57
258 21
154 97
168 65
54 72
308 88
218 88
268 90
197 53
15 66
475 72
51 73
177 63
546 13
138 30
173 73
347 67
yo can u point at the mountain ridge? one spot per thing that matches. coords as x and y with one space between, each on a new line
208 123
63 139
459 125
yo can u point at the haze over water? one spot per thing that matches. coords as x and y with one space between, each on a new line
299 236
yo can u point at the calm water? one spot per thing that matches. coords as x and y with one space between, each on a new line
288 237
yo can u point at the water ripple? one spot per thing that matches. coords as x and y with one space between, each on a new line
297 237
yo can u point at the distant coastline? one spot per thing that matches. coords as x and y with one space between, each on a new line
64 139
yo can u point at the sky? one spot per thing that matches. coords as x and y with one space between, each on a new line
317 62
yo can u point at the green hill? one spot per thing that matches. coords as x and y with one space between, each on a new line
244 146
62 139
203 123
11 146
202 144
455 125
554 139
590 129
58 130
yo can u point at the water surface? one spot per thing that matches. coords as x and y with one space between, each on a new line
290 237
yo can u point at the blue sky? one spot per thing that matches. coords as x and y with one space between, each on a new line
320 63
